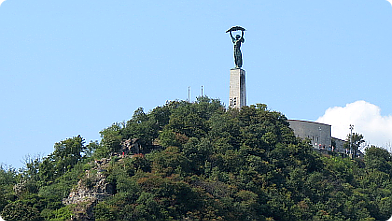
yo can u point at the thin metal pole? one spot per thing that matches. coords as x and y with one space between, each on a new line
189 94
351 137
320 137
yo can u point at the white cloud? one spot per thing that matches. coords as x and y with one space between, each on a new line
1 2
365 117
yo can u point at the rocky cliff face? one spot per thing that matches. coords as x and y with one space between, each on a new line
89 191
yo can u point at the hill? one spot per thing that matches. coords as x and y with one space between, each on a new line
198 161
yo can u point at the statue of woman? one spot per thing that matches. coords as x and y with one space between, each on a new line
237 41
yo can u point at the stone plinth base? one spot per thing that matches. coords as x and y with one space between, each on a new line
237 93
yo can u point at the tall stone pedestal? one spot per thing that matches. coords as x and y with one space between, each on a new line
237 93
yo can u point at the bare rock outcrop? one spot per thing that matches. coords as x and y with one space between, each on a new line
91 189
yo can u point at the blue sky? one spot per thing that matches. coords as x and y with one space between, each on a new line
75 67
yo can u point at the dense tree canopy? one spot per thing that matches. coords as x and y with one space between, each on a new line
201 161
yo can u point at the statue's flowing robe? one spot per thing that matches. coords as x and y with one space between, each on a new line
237 52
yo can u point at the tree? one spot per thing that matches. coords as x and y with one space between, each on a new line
20 210
144 127
356 140
170 161
8 178
66 155
191 119
91 148
111 137
378 159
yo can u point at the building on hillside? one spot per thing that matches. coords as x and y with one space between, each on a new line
339 145
319 135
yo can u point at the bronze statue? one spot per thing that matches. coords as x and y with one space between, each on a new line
237 41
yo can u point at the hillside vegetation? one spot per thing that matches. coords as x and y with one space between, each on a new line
198 161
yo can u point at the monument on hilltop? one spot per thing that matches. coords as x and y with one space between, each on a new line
237 94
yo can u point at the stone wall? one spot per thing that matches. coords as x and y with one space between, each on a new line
339 145
318 133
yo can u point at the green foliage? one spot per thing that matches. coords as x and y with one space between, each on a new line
20 210
111 137
199 161
92 148
240 165
170 161
65 156
62 214
104 212
355 140
144 127
379 159
191 119
8 178
7 175
168 138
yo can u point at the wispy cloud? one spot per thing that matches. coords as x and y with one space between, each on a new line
365 117
390 1
1 2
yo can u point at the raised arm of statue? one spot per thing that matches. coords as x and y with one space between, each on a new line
242 36
232 38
